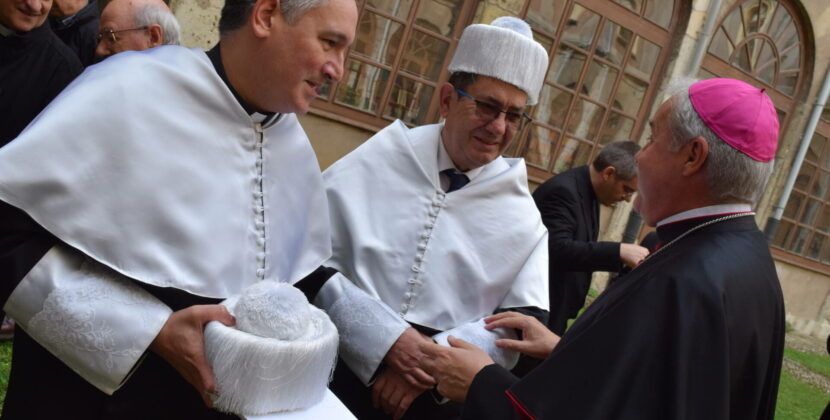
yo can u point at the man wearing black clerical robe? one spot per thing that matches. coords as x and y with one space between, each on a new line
76 24
34 65
672 339
175 188
695 331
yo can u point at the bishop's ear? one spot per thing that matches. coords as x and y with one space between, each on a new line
696 151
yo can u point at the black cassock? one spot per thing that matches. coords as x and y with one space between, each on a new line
41 386
695 332
34 68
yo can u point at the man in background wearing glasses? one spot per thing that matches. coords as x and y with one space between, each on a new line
435 229
136 25
569 203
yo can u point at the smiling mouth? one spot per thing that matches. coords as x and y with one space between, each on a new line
314 86
487 142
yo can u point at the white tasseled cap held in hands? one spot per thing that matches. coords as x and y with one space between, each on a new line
504 50
278 357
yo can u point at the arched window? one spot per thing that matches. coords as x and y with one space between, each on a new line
762 42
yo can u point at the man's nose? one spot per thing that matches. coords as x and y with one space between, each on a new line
498 125
101 50
333 70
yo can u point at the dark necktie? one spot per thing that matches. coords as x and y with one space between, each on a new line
457 179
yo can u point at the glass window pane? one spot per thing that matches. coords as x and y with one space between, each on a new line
766 64
630 95
786 82
488 10
799 241
377 38
438 16
766 11
816 147
754 47
643 58
814 249
361 86
544 40
659 12
810 211
734 28
820 185
424 55
720 46
793 205
544 15
573 153
825 113
741 59
791 60
398 8
782 235
409 101
823 222
633 5
825 252
805 175
541 146
782 30
749 10
780 22
582 25
566 67
585 120
553 106
599 81
613 42
824 160
617 127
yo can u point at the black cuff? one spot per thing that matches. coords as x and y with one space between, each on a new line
312 283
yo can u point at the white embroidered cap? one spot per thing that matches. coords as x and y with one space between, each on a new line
278 357
503 50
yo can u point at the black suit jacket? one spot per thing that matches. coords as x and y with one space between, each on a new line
570 211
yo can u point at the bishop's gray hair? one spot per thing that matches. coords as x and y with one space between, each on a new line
731 176
152 14
236 12
621 155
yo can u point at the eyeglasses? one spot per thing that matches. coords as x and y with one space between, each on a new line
109 34
489 112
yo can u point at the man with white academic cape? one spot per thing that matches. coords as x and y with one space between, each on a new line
435 230
156 185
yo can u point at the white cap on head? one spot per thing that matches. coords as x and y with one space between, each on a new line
504 50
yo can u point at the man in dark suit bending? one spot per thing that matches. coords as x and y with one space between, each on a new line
569 203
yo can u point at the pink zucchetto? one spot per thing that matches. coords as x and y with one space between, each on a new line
740 114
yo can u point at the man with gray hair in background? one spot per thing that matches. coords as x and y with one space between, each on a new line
136 25
696 331
569 203
154 187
